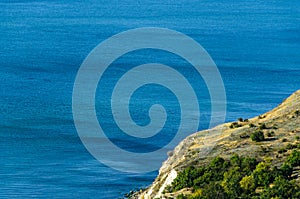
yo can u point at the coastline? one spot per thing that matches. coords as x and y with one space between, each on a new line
233 140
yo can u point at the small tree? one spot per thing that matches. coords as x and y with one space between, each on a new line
231 181
248 165
294 158
282 189
286 170
257 136
262 174
248 184
212 190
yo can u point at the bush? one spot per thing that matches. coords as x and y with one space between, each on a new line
181 196
290 146
248 165
271 134
231 181
248 184
274 126
282 150
197 194
282 189
211 191
257 136
234 125
240 119
186 178
217 164
235 160
286 170
262 174
263 149
262 126
244 135
294 158
251 125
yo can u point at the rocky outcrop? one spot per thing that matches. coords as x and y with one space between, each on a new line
281 126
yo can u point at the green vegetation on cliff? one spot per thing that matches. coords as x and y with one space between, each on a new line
239 177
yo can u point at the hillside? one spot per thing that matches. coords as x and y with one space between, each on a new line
280 128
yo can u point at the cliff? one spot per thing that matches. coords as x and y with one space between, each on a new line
280 126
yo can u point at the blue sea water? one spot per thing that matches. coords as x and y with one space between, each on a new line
255 44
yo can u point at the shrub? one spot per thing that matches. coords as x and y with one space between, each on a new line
297 112
186 178
286 170
262 174
248 165
246 120
231 181
244 135
181 196
240 119
282 189
297 138
257 136
284 140
263 149
234 125
290 146
251 125
168 189
282 150
248 184
196 195
294 158
271 134
274 127
217 164
212 190
262 126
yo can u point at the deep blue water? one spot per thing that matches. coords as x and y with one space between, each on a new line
255 44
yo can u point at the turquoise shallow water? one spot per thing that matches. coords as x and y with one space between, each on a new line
256 46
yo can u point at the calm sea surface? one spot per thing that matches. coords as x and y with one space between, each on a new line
255 44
